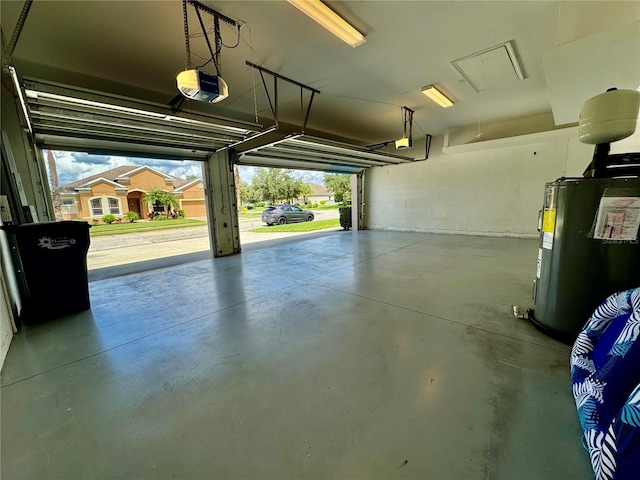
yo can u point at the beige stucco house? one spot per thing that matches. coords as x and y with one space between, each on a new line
122 189
318 194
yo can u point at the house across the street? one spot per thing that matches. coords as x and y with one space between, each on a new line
122 189
318 194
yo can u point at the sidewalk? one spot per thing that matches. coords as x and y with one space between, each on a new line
132 248
114 250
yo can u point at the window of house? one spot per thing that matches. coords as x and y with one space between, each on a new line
101 205
114 206
96 207
68 202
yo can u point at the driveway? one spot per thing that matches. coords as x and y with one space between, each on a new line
113 250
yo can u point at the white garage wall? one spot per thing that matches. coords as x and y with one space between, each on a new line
489 188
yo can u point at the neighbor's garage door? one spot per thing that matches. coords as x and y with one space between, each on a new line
193 208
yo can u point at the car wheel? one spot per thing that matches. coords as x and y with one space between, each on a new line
282 220
309 218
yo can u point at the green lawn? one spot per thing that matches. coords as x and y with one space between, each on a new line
118 228
300 227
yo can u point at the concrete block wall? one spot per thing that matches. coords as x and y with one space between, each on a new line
488 188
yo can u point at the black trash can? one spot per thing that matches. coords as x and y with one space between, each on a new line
54 264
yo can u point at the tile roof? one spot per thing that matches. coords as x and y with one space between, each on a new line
114 173
318 189
108 174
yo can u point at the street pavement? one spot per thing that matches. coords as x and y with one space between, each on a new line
114 250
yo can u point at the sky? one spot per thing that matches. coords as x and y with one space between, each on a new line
72 166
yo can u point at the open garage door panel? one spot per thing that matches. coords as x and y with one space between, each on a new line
69 118
307 152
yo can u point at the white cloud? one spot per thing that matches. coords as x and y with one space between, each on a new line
72 166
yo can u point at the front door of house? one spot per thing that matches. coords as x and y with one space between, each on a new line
134 206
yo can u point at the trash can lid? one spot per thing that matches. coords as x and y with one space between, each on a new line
59 225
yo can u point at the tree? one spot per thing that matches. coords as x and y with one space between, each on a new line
157 195
275 185
340 185
306 192
249 194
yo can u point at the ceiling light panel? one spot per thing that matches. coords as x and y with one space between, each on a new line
330 20
437 96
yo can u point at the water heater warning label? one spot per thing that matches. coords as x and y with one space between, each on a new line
548 227
618 219
549 220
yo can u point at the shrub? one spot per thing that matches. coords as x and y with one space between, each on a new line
244 209
261 205
109 219
181 213
95 221
315 205
345 217
132 216
322 202
161 218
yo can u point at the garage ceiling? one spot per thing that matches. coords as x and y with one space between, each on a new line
136 48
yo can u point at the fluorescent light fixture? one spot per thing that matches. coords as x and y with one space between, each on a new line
437 96
330 20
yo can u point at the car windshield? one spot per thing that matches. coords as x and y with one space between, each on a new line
270 209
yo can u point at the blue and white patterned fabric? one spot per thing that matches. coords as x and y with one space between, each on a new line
605 373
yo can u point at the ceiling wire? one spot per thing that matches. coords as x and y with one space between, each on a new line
253 81
421 129
212 30
237 40
479 134
214 53
360 99
214 56
191 128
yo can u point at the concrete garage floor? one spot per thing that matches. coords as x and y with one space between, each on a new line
361 355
